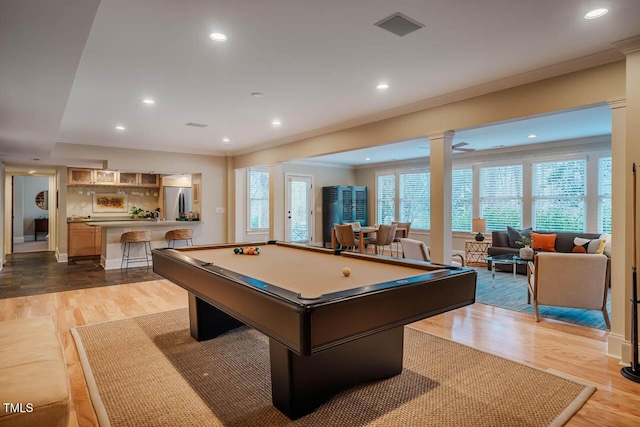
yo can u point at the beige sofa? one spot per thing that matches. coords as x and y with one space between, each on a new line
34 385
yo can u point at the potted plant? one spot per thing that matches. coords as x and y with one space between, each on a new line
526 252
136 212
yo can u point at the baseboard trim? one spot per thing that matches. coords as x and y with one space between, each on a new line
18 239
61 257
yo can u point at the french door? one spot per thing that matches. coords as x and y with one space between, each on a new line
299 209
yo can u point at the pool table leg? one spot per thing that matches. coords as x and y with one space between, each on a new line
299 384
206 321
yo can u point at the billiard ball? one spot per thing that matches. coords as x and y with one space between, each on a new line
256 251
346 271
236 250
240 251
250 251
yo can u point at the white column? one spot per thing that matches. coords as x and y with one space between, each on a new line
440 169
620 222
625 147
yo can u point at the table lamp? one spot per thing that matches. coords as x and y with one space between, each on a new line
479 225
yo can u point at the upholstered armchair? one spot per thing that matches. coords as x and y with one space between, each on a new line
569 280
418 250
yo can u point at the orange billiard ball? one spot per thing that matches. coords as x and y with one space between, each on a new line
250 251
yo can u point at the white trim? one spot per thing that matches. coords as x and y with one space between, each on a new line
61 257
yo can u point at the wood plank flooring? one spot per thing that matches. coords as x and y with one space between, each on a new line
561 348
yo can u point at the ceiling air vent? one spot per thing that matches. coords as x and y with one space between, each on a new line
196 125
399 24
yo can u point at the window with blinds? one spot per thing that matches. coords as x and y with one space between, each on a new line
501 196
604 195
414 199
559 191
386 199
461 199
258 202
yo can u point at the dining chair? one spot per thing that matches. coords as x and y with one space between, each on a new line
400 234
345 237
384 237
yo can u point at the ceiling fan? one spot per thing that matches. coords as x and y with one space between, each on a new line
462 144
457 147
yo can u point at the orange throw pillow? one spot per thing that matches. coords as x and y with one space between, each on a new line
543 242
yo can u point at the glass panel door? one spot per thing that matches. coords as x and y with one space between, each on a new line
299 220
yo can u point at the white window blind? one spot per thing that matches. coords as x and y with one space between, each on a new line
414 199
461 199
501 196
604 195
386 198
258 199
559 191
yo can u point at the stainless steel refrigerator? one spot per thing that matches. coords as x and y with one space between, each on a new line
177 202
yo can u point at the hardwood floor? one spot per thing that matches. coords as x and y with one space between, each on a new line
569 350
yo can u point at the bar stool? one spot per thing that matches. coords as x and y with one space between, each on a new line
185 234
141 236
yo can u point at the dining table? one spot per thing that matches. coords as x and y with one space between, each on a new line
361 232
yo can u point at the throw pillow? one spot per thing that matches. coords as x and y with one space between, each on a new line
590 246
515 235
543 242
607 245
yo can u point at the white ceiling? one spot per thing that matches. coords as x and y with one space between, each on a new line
316 62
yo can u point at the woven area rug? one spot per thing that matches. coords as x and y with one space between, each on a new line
148 371
507 292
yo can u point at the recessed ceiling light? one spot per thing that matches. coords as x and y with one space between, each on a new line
120 127
533 135
367 158
596 13
226 140
32 172
382 86
217 37
257 94
148 101
276 122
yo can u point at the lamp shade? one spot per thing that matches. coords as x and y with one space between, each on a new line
479 225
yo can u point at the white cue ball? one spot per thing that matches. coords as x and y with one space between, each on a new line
346 271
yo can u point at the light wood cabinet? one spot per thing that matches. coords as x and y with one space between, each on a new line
149 180
128 178
137 179
106 178
80 176
84 240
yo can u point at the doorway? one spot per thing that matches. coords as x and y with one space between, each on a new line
299 208
30 198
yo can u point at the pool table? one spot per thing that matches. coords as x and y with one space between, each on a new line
327 331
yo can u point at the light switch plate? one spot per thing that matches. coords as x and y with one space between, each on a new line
220 210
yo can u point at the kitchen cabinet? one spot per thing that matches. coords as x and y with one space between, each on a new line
80 176
84 240
128 178
149 180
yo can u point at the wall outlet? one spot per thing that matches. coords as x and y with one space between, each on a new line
220 210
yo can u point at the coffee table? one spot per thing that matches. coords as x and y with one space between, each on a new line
511 259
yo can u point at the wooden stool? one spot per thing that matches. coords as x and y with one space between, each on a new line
185 234
142 236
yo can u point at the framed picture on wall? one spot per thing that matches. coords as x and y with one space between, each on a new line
196 193
107 202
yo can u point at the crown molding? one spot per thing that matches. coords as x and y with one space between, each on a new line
627 46
566 67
